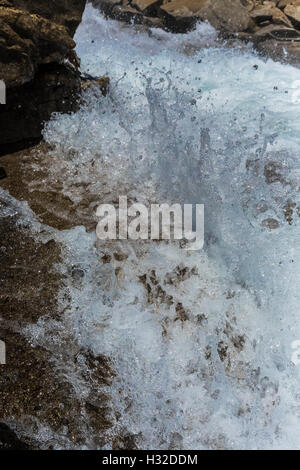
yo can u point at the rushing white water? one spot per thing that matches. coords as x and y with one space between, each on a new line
201 342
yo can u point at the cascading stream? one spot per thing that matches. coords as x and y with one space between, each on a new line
201 343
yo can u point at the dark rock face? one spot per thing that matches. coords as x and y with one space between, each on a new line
9 439
65 12
38 65
55 88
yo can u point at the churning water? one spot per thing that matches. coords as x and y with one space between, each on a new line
201 342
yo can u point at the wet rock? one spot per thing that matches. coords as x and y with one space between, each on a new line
283 3
55 88
9 440
273 173
277 32
35 385
2 173
282 49
65 12
180 15
269 13
27 41
127 14
248 4
270 223
228 15
106 6
138 11
38 65
265 24
293 13
153 22
77 273
288 211
101 83
148 7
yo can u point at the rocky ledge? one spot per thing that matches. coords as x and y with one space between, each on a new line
272 26
38 65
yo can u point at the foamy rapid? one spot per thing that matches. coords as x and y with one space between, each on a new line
201 342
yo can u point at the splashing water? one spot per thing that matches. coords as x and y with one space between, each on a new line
201 343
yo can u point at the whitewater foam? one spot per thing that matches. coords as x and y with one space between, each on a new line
201 344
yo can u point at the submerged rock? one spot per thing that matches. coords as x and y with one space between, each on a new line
101 83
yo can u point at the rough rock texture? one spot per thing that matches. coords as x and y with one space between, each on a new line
54 88
180 15
293 13
40 407
38 65
64 12
228 15
272 26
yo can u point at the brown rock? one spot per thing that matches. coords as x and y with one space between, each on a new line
284 50
293 13
65 12
35 40
271 224
27 41
32 390
248 4
269 13
283 3
277 32
148 7
153 22
101 83
228 15
106 6
128 14
184 7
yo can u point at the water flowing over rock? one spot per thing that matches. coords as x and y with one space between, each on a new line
141 344
228 15
38 65
271 26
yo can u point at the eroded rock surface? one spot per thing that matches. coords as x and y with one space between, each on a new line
228 15
273 27
39 407
38 65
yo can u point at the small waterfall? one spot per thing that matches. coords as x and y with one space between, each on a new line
201 344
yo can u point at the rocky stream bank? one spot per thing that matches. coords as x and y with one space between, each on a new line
41 70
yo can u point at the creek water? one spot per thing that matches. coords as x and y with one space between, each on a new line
202 343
